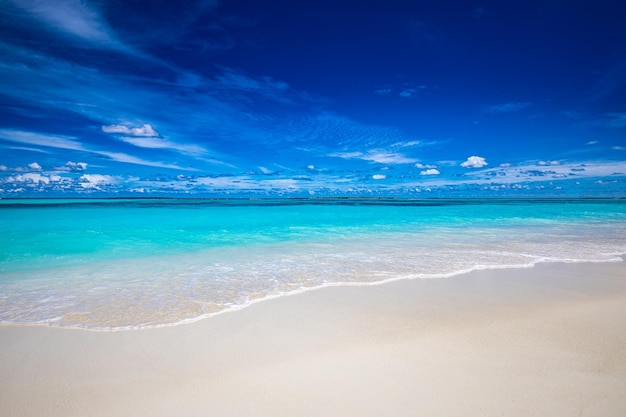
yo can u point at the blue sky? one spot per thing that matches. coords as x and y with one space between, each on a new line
282 98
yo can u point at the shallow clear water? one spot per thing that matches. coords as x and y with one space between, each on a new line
137 263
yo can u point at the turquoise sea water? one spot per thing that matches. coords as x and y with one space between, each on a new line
141 263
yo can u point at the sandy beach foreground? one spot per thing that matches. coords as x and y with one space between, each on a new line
543 341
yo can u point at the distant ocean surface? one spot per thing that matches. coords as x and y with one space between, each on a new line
123 264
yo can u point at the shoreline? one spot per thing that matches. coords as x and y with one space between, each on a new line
547 340
618 257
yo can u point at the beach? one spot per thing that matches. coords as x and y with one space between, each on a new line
547 340
327 209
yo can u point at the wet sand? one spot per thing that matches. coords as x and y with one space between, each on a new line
542 341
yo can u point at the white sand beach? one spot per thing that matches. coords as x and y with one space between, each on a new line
542 341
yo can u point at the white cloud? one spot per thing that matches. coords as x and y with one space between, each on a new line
384 157
529 171
73 17
236 182
380 156
96 180
592 142
75 166
159 143
311 167
265 170
32 138
29 149
146 130
474 162
411 92
240 81
406 144
244 182
347 155
239 85
504 165
379 177
29 179
508 107
282 183
544 163
146 136
69 143
35 166
431 171
422 166
129 159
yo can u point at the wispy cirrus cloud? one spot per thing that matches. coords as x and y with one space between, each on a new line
412 91
130 159
54 84
159 143
405 91
333 133
616 120
407 144
385 91
267 86
508 107
146 136
34 138
95 97
70 143
222 110
613 120
75 18
220 114
379 156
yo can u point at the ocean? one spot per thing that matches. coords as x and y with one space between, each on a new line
136 263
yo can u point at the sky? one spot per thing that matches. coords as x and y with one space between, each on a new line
235 98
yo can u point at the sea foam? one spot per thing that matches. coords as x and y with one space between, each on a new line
162 286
